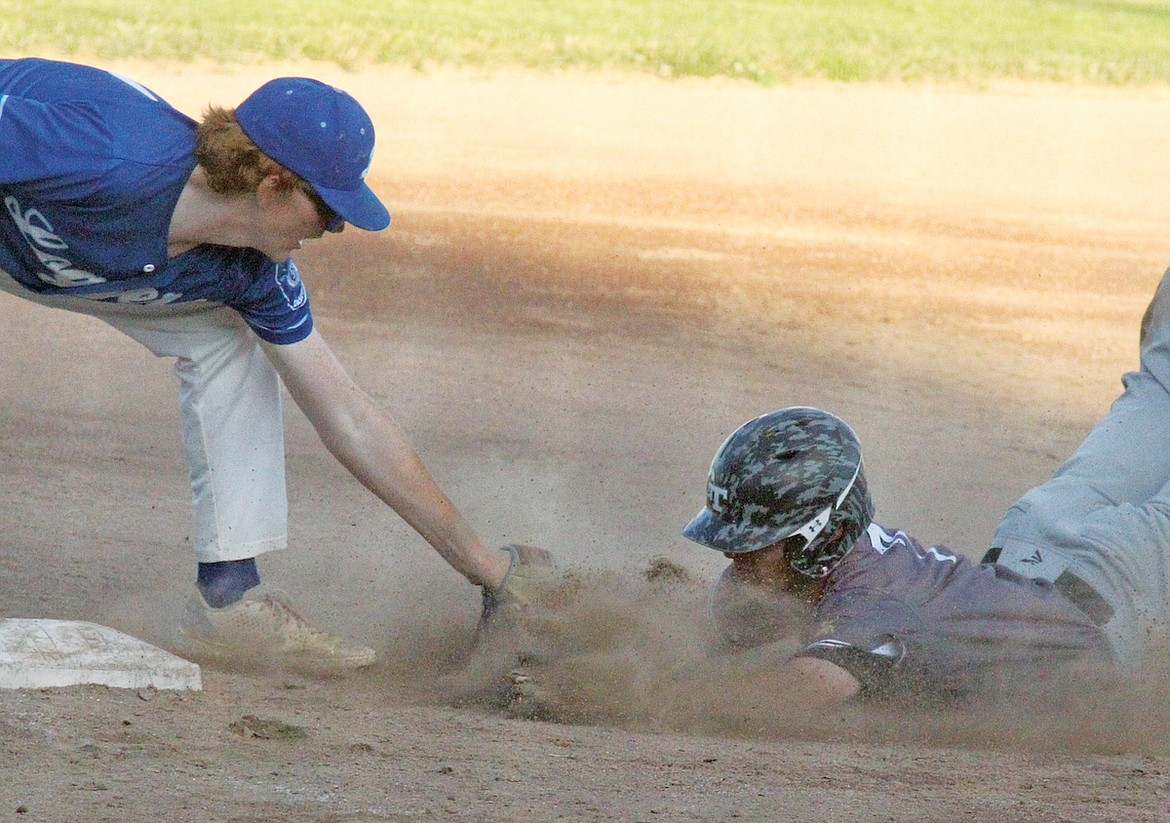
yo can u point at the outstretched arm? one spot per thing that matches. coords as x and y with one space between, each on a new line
755 630
808 682
367 441
755 688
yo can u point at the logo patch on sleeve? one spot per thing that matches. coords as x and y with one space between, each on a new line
289 280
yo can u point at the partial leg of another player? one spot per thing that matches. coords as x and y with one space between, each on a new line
1103 515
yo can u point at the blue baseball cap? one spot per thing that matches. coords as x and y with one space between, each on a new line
322 134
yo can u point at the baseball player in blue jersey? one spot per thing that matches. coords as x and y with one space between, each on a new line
179 234
1078 572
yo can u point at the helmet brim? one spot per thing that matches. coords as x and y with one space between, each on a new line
709 530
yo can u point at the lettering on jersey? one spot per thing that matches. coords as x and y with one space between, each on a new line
44 242
883 541
38 233
289 280
138 296
941 555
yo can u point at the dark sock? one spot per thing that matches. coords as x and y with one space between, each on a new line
223 583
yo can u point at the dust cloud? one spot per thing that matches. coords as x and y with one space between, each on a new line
635 652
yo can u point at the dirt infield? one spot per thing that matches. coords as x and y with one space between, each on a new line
587 284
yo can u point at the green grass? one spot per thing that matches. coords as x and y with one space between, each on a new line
1124 42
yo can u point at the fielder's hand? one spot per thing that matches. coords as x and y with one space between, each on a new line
517 633
531 581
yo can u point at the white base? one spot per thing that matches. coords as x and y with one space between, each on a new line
38 654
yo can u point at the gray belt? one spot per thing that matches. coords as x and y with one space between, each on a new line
1075 590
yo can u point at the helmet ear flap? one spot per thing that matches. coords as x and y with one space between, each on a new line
845 527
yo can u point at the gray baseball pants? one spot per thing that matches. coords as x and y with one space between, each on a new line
1105 515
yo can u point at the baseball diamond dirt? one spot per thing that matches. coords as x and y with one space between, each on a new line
588 283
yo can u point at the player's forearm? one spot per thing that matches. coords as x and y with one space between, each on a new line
379 457
367 441
816 683
373 448
757 676
758 687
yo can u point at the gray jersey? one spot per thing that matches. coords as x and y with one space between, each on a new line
904 619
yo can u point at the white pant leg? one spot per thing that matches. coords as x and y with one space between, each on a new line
230 409
232 429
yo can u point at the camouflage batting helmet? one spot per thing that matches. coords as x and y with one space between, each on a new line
795 473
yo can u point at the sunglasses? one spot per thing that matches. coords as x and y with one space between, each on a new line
332 221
